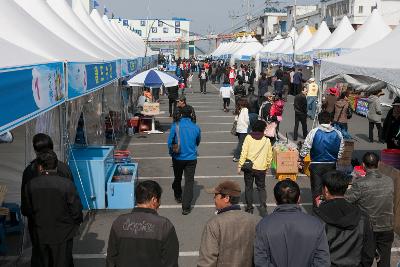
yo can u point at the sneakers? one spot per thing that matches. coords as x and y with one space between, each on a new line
178 200
249 209
186 211
235 159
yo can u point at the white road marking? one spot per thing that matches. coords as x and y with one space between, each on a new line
203 143
214 132
177 206
200 157
214 123
208 176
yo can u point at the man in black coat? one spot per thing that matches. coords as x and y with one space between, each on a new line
173 94
54 209
348 229
142 237
300 110
41 143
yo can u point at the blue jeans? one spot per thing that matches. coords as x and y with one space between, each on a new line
343 128
311 106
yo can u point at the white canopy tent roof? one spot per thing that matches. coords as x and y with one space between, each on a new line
95 16
42 13
65 12
18 27
273 44
379 61
81 13
124 35
287 43
318 38
249 49
303 38
374 29
342 32
14 56
219 48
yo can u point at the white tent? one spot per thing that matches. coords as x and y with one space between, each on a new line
379 61
138 49
318 38
65 12
250 48
42 13
374 29
273 44
342 32
303 38
288 42
19 28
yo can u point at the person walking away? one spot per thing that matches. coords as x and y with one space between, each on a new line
203 77
312 97
278 85
286 85
242 125
183 140
300 114
222 242
232 76
239 91
341 116
252 77
253 107
330 101
262 87
256 148
142 235
291 75
277 110
373 194
214 73
279 73
190 81
391 126
297 81
180 104
288 237
226 91
54 209
173 94
325 145
348 229
41 143
375 116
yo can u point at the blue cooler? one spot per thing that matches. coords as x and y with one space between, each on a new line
121 186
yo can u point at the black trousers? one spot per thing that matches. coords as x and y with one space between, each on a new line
259 178
227 102
156 94
172 106
297 88
54 255
371 130
317 170
238 150
187 167
383 242
203 86
303 120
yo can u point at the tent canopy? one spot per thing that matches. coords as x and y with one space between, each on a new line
379 61
342 32
248 50
318 38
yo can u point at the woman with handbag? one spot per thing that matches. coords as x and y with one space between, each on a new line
255 160
242 122
342 114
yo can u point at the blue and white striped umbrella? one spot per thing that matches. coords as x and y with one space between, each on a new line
153 78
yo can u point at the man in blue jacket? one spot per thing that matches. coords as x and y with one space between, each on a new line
183 140
325 145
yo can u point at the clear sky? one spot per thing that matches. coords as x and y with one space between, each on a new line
206 15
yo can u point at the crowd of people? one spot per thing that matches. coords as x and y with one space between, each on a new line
352 218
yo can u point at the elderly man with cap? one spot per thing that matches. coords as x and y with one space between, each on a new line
228 237
312 95
266 105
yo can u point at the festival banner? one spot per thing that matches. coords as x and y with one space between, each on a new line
362 106
128 67
87 78
26 92
319 54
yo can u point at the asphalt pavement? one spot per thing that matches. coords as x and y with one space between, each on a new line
214 165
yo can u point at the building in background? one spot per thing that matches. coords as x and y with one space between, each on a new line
295 12
168 36
272 22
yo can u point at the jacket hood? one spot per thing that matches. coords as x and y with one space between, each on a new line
340 103
326 128
339 213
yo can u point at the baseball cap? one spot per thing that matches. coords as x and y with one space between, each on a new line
229 188
268 94
312 79
333 90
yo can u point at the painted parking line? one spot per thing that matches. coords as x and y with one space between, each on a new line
207 177
214 123
179 206
203 143
200 157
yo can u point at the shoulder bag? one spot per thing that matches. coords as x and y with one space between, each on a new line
270 130
248 164
176 148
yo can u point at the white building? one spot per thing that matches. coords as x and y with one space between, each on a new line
297 12
358 10
169 36
273 21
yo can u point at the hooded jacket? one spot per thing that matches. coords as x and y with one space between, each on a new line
341 111
349 233
324 143
374 109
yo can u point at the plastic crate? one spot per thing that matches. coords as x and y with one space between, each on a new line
284 176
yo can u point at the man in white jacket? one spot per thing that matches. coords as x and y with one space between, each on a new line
226 91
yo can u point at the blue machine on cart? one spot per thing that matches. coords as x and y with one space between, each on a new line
93 168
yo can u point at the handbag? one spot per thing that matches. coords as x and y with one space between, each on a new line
176 148
248 164
270 130
349 112
233 130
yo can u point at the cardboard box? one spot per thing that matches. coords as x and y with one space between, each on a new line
395 175
286 162
151 108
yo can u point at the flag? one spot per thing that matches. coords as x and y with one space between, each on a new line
95 4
